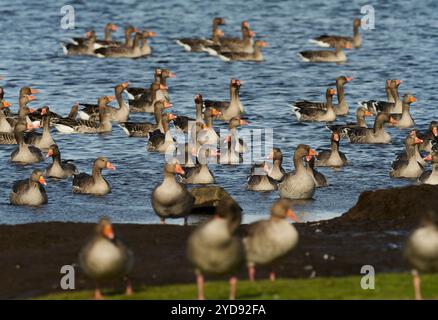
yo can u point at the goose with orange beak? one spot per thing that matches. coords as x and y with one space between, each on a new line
333 40
171 199
361 113
298 184
59 169
430 137
29 192
377 134
408 166
393 105
105 257
267 241
162 142
404 119
94 184
332 157
430 176
5 126
313 114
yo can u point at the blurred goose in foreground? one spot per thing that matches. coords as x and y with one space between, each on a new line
24 153
337 55
332 157
106 257
269 240
29 192
171 199
95 183
59 169
256 55
421 250
393 105
377 134
404 119
345 42
408 167
341 108
214 248
259 180
298 184
314 114
430 176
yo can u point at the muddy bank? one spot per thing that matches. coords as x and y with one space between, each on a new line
372 232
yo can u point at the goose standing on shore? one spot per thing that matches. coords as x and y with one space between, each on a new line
298 184
171 199
59 169
269 240
214 248
106 257
95 183
331 41
29 192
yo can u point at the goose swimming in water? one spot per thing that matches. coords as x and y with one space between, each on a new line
29 192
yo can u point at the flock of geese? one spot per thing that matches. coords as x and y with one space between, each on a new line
214 247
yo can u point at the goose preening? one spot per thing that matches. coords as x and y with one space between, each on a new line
171 199
408 166
214 248
393 105
255 55
197 45
29 192
332 157
268 241
231 108
404 119
95 183
105 257
337 55
341 108
24 153
377 134
143 129
298 184
343 41
421 250
314 114
59 169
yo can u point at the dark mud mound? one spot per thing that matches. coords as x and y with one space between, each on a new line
400 207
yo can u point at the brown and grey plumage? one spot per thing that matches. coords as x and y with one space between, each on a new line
344 41
259 179
377 134
332 157
29 192
106 257
41 140
255 55
24 153
59 169
336 55
95 183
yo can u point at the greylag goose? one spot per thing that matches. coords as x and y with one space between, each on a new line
404 119
9 137
361 113
162 141
106 257
209 136
429 137
229 109
402 156
59 169
234 123
421 250
408 167
276 172
232 147
143 129
318 177
107 40
313 114
41 140
104 125
255 55
430 176
182 122
267 241
214 247
121 114
146 102
23 111
5 126
377 134
171 199
122 52
341 108
391 106
332 157
86 48
196 45
160 77
245 44
24 153
345 42
29 192
259 180
298 184
144 47
95 183
200 173
336 55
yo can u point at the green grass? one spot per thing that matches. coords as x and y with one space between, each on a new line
387 286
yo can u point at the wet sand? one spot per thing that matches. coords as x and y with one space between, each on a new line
372 232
